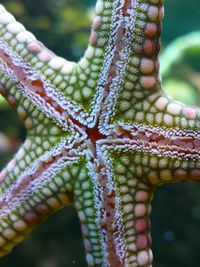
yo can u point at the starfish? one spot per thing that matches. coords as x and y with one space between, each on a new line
101 133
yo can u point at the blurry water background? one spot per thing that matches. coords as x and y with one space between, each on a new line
64 26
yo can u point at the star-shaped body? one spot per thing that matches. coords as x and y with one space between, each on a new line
101 134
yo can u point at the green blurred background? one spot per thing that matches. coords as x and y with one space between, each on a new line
64 26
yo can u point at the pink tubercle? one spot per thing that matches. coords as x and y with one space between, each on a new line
147 66
140 210
151 47
174 108
93 38
168 119
161 103
181 175
153 13
141 225
148 82
190 113
12 101
42 209
151 30
35 47
142 258
195 174
45 55
142 241
97 22
141 196
31 217
148 47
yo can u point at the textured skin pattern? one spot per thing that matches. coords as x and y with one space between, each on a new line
101 134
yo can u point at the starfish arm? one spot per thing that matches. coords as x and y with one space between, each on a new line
87 195
41 165
131 58
19 217
132 171
25 44
91 71
32 190
40 72
100 132
122 31
124 206
135 106
25 89
135 94
131 72
36 181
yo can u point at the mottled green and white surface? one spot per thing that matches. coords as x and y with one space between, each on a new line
101 134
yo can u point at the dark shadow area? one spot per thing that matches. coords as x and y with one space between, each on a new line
55 243
12 134
176 225
62 25
181 17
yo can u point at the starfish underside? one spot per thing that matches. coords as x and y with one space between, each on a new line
101 133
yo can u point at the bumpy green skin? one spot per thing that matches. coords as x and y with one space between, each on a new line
101 134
